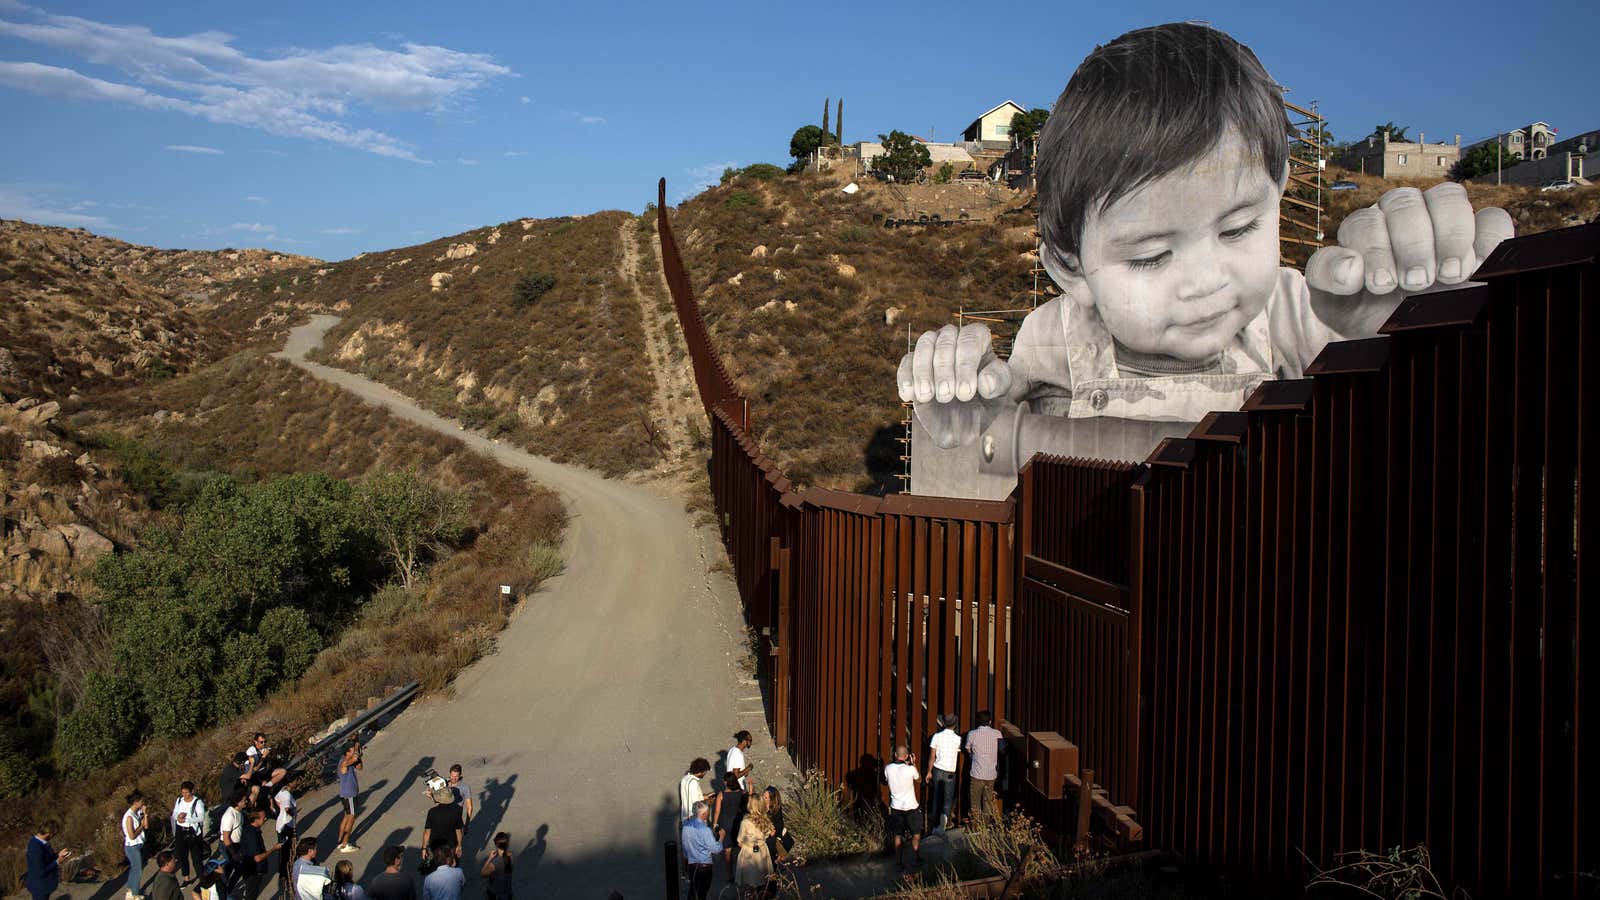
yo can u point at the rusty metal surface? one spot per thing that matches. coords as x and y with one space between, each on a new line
1347 616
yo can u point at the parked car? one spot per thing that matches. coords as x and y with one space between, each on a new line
1560 184
1343 186
971 175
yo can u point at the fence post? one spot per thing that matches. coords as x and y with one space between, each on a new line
780 631
1085 798
672 870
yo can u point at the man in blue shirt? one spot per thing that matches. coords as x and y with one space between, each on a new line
700 847
446 881
44 863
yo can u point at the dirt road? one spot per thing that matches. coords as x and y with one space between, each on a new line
607 682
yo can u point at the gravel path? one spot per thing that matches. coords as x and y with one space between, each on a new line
607 682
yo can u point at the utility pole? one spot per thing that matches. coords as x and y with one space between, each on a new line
1497 160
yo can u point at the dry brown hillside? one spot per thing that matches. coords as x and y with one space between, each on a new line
564 374
810 299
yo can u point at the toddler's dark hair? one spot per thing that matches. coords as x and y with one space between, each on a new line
1144 105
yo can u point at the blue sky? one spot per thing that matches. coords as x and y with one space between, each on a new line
327 130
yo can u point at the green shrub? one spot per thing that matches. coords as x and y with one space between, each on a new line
244 677
814 812
762 171
544 561
291 639
945 173
532 286
853 234
103 728
742 199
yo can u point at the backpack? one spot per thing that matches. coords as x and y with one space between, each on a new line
335 891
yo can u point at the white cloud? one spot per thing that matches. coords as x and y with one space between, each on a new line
31 204
524 100
466 162
591 120
254 199
254 227
341 231
304 93
516 153
192 148
705 175
272 152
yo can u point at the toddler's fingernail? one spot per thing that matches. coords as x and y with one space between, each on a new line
1383 279
1416 277
944 390
1450 268
1342 269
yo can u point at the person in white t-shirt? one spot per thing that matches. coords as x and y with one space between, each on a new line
133 822
690 790
905 816
737 765
943 763
283 802
230 830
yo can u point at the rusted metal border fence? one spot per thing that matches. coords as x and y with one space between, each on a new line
1347 616
876 614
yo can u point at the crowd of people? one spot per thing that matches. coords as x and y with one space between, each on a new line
232 850
746 831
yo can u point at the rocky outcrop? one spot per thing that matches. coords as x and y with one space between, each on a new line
440 280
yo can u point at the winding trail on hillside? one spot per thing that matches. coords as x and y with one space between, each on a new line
574 732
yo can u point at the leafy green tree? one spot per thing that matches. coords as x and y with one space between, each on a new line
104 726
903 156
806 139
1025 126
1396 132
412 519
838 124
825 129
945 173
1483 160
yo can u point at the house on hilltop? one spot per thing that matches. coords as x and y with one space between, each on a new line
993 128
1379 155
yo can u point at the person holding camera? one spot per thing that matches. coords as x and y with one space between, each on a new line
44 862
497 868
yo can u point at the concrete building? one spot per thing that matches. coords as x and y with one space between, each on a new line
937 152
1530 142
1380 156
1575 159
994 126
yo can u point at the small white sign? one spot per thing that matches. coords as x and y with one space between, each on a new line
505 588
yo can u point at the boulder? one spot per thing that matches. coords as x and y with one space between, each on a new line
760 252
460 251
891 315
440 281
494 237
8 363
41 450
86 543
845 270
735 280
38 415
777 274
50 542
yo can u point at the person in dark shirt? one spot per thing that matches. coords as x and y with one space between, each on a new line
165 885
444 820
497 869
233 778
393 884
44 862
254 855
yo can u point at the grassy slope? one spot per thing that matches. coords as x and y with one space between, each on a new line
254 416
821 377
566 378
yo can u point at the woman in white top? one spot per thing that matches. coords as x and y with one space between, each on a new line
133 843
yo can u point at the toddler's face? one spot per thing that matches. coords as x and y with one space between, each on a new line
1179 266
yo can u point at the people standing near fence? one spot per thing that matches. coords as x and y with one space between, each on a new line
905 815
497 869
463 794
343 886
133 822
446 880
689 789
736 763
944 761
283 801
754 859
44 861
729 812
349 788
164 886
781 842
391 883
983 755
307 876
255 855
188 831
230 831
700 848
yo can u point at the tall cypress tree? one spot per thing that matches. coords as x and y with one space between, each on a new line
838 123
824 115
